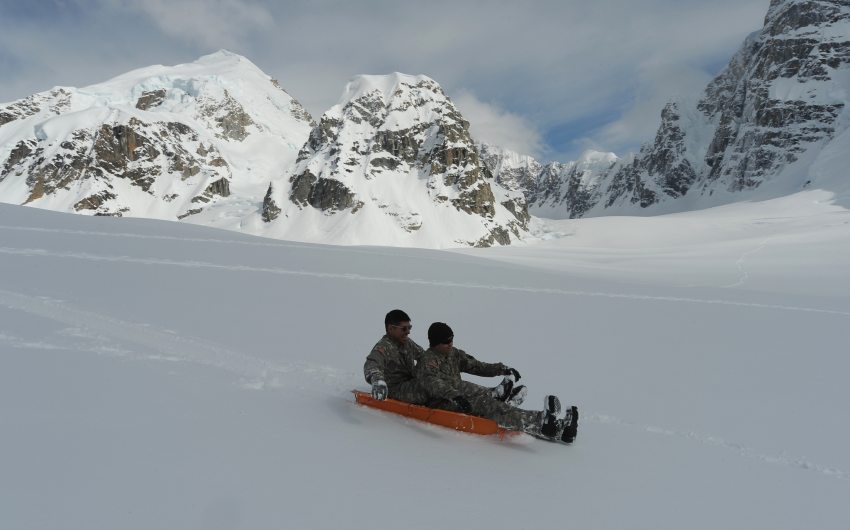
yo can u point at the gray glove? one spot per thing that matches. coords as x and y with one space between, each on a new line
380 390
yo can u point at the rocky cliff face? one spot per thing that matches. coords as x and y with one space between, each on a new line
782 98
396 156
554 189
776 100
160 142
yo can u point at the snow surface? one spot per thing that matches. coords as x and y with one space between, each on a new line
164 375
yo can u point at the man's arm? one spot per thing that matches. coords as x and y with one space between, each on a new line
471 365
373 371
373 368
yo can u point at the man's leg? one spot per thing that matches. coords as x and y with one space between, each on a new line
484 405
410 392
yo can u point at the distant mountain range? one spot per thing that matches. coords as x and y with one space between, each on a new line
756 131
218 142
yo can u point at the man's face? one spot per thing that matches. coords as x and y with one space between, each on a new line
399 332
444 348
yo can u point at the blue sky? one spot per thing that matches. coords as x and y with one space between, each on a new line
544 77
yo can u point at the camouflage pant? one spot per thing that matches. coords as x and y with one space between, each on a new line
485 405
408 391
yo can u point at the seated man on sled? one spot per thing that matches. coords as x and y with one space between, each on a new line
390 367
438 377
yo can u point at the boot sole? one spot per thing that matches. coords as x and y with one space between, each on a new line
517 396
552 405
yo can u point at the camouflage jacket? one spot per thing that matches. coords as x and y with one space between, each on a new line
391 361
439 374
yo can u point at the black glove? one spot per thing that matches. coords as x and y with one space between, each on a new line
511 371
380 390
462 404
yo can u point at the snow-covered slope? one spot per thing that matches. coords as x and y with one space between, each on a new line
163 375
393 163
161 142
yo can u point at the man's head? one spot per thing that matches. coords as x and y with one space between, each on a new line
440 337
398 326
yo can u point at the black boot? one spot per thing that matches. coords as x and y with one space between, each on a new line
550 424
517 396
569 425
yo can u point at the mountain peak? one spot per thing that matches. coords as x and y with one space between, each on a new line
221 57
387 85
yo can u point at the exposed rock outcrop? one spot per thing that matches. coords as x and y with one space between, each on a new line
780 98
399 132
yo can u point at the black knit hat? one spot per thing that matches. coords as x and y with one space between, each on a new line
440 333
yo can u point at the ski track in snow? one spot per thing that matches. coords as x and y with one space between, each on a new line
126 235
106 334
36 252
714 441
744 275
259 374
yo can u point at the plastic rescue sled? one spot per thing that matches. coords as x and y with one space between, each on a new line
453 420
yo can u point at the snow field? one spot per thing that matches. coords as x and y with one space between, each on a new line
161 375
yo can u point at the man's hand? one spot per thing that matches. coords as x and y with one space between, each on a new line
463 404
513 372
380 390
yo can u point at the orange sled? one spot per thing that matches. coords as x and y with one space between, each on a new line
445 418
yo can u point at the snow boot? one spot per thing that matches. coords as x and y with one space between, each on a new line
550 424
568 426
517 396
503 390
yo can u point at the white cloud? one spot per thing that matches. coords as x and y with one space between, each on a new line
490 124
656 86
210 23
563 72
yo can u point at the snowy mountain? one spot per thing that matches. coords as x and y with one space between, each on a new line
217 142
761 128
393 163
761 124
160 142
549 187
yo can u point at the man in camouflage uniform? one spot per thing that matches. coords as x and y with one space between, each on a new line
389 366
438 373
